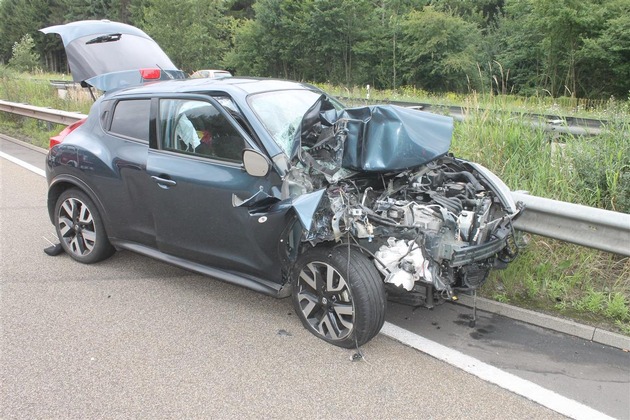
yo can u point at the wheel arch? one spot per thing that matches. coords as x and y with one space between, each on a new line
64 183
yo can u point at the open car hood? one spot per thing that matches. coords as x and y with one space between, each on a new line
109 55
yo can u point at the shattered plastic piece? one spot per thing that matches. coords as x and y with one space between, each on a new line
54 250
305 205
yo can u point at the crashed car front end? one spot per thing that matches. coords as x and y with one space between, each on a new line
383 181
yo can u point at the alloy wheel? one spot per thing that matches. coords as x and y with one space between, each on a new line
325 301
76 226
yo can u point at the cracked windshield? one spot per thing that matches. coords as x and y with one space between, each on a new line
281 113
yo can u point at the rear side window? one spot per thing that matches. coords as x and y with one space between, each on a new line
131 119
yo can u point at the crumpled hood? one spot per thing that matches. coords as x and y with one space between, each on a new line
100 47
377 138
392 138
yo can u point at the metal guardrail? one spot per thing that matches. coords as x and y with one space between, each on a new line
587 226
40 113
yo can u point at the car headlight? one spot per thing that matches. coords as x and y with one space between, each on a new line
502 190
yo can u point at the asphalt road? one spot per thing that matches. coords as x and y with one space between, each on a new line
134 338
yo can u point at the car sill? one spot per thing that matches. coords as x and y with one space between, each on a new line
258 285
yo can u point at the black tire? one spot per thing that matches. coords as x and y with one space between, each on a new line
80 228
349 309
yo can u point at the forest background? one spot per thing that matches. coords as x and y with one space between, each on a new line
557 48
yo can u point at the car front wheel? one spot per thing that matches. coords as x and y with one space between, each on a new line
80 228
339 295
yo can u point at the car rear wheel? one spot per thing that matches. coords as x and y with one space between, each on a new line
80 228
339 296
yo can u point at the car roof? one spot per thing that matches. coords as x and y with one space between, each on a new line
236 86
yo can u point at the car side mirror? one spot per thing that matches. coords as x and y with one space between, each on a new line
255 163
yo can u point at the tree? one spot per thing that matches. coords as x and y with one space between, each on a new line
193 33
605 58
565 47
21 17
334 29
24 58
481 12
439 51
273 44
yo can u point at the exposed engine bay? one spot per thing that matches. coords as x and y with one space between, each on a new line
437 227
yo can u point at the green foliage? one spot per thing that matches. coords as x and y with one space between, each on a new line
270 45
24 58
565 47
590 171
440 50
193 33
601 168
558 48
585 284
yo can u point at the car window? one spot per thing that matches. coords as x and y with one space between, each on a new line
131 119
198 128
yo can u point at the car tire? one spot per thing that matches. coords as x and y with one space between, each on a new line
339 295
80 228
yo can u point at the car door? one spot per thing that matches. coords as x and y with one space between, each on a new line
196 169
121 148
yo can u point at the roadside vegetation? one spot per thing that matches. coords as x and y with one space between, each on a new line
551 276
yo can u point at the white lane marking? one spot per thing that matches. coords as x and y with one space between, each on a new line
488 373
23 164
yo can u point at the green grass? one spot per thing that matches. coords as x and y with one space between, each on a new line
567 280
551 276
35 89
29 130
556 277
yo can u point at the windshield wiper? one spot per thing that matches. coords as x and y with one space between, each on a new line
104 38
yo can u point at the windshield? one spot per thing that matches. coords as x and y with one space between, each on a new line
282 111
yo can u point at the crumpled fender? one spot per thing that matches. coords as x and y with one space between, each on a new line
304 205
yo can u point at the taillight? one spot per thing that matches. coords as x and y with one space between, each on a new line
150 74
55 140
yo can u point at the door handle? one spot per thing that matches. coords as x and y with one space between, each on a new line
163 182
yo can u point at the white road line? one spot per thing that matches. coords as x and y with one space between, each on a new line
488 373
23 164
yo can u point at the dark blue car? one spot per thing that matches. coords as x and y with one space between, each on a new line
272 185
